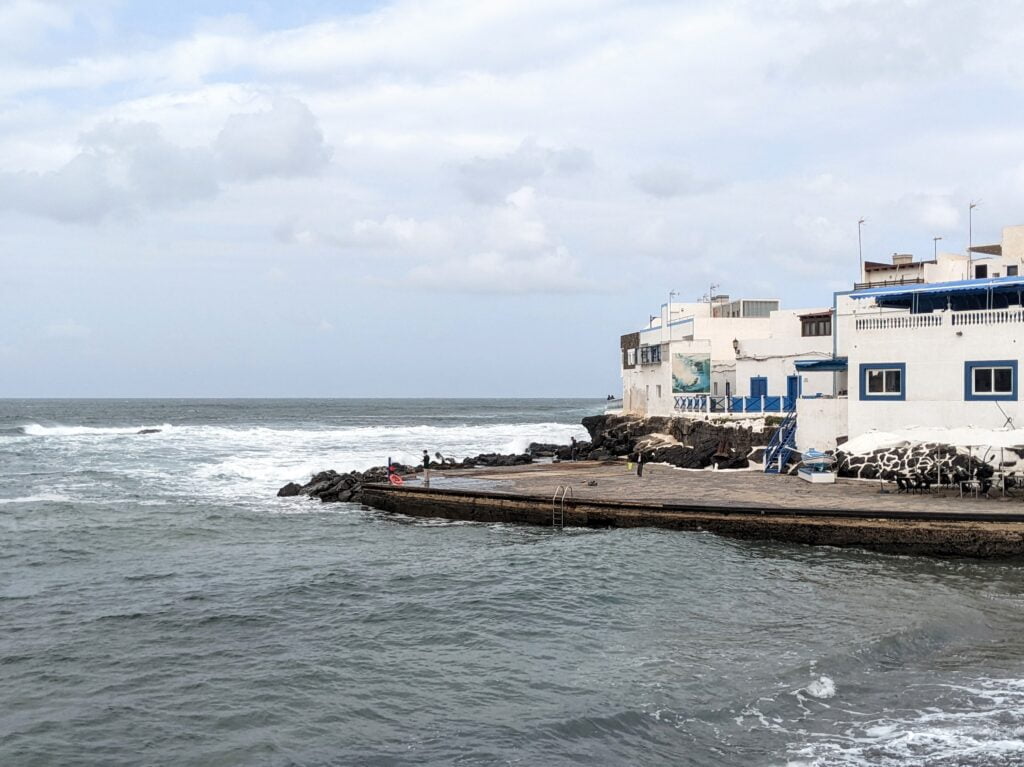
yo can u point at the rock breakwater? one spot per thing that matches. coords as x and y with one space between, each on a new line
682 442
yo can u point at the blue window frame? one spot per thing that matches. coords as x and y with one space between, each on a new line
758 386
883 381
990 380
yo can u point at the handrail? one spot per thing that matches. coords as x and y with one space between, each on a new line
558 511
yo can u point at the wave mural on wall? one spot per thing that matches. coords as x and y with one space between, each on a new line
691 373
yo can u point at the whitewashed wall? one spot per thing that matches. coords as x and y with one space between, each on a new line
934 358
819 421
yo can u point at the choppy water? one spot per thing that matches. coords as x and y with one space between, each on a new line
158 605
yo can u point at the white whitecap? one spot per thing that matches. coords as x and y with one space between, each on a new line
822 688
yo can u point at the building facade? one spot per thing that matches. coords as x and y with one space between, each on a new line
916 343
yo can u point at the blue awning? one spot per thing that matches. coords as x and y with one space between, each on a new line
833 364
897 291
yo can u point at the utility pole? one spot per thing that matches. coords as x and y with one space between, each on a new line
860 246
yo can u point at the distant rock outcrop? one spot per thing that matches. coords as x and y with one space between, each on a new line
332 487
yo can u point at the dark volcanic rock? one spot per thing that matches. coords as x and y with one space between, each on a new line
543 449
292 488
332 487
148 431
619 434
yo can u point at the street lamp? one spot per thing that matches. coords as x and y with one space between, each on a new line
935 248
860 247
970 237
668 314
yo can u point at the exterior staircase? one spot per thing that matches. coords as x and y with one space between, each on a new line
781 445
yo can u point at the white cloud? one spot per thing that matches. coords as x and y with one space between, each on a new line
126 166
120 168
668 181
24 22
280 142
491 179
551 272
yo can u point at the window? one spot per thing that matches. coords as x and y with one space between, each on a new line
990 380
1011 271
883 381
980 271
659 391
816 326
630 357
650 355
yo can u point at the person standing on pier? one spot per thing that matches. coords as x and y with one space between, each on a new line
572 449
639 463
426 469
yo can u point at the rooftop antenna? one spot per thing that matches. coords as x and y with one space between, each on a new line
860 246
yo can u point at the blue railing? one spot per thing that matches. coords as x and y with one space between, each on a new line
706 403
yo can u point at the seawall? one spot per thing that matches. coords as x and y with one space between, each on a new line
975 529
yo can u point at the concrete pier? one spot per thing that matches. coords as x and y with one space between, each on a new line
744 504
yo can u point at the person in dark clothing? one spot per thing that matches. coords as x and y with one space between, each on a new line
426 469
572 448
639 463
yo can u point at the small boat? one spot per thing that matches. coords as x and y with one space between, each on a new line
814 457
816 467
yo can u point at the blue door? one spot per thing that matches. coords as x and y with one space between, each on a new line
758 386
793 387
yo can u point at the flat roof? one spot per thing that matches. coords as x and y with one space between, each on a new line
876 266
989 250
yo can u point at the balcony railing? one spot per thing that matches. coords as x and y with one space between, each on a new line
899 321
987 317
887 283
940 319
705 403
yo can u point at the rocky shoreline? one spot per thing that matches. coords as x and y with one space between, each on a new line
693 444
685 443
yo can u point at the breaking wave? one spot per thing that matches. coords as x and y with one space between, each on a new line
37 430
981 724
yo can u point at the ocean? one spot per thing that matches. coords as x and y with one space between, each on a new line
160 606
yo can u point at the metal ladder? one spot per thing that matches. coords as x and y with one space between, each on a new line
558 505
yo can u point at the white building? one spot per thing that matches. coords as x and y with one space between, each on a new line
934 343
923 352
689 350
767 365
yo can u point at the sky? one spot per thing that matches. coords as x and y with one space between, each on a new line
432 198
